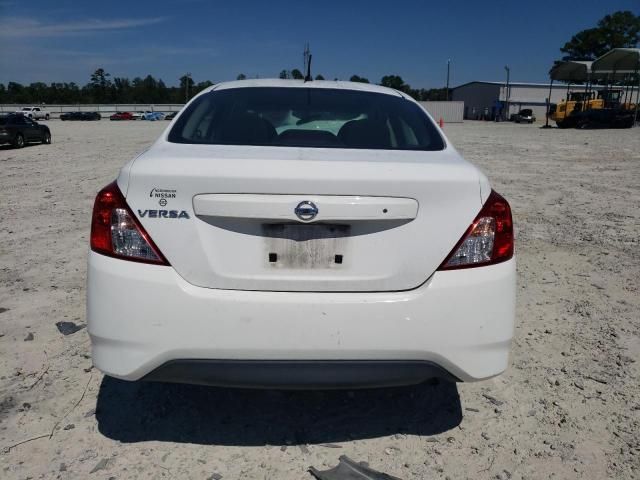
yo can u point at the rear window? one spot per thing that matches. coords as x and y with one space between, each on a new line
306 117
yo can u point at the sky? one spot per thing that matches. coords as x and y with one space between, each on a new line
64 40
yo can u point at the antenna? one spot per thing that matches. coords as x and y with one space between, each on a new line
307 63
305 57
309 78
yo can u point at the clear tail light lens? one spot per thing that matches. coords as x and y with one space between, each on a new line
116 232
488 240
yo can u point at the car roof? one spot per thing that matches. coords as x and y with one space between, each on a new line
288 83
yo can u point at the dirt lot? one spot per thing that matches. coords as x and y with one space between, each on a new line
569 406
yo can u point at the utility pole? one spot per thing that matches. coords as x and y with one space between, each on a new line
448 69
186 87
506 94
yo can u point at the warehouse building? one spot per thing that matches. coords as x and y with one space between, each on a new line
485 100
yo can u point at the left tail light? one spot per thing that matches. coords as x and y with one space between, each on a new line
116 232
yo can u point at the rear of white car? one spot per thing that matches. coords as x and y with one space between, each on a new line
297 235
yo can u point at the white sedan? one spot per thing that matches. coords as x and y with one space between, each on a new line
290 234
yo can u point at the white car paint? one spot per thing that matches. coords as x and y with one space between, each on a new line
221 299
141 316
35 113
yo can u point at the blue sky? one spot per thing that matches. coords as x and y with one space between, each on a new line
64 40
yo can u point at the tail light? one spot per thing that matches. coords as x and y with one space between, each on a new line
488 240
116 232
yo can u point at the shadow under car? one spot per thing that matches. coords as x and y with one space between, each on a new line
142 411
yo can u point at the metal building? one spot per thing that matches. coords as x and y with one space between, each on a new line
485 100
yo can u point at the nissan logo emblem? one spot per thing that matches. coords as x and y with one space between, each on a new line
306 211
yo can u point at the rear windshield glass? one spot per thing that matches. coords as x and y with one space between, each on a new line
306 117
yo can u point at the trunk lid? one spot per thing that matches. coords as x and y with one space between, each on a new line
227 217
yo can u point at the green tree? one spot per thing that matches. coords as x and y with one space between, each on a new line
16 93
186 88
38 92
98 86
242 76
201 86
394 81
71 93
285 74
356 78
618 30
122 89
185 81
100 79
319 77
297 74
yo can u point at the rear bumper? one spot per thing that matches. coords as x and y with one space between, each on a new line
146 321
298 374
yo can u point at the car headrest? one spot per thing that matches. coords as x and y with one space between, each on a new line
365 133
245 128
308 138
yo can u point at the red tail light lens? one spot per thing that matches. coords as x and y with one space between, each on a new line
488 240
116 232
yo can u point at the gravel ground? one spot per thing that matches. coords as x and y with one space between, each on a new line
568 407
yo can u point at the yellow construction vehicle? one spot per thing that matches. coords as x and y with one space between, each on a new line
566 114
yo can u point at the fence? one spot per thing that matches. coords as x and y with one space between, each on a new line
103 109
450 112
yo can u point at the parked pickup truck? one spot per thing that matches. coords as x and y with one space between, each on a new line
35 113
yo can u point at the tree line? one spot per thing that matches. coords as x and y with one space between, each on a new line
103 88
617 30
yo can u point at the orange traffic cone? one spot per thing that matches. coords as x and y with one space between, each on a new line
441 122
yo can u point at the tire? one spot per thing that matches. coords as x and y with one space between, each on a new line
46 138
18 141
46 117
31 116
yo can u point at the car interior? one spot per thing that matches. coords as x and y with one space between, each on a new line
292 122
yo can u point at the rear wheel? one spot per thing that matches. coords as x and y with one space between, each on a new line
46 117
46 138
18 142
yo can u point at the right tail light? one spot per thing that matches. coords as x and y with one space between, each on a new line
488 240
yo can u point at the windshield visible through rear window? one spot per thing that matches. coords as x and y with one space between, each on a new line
306 117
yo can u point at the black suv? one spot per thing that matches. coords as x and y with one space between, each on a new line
19 130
